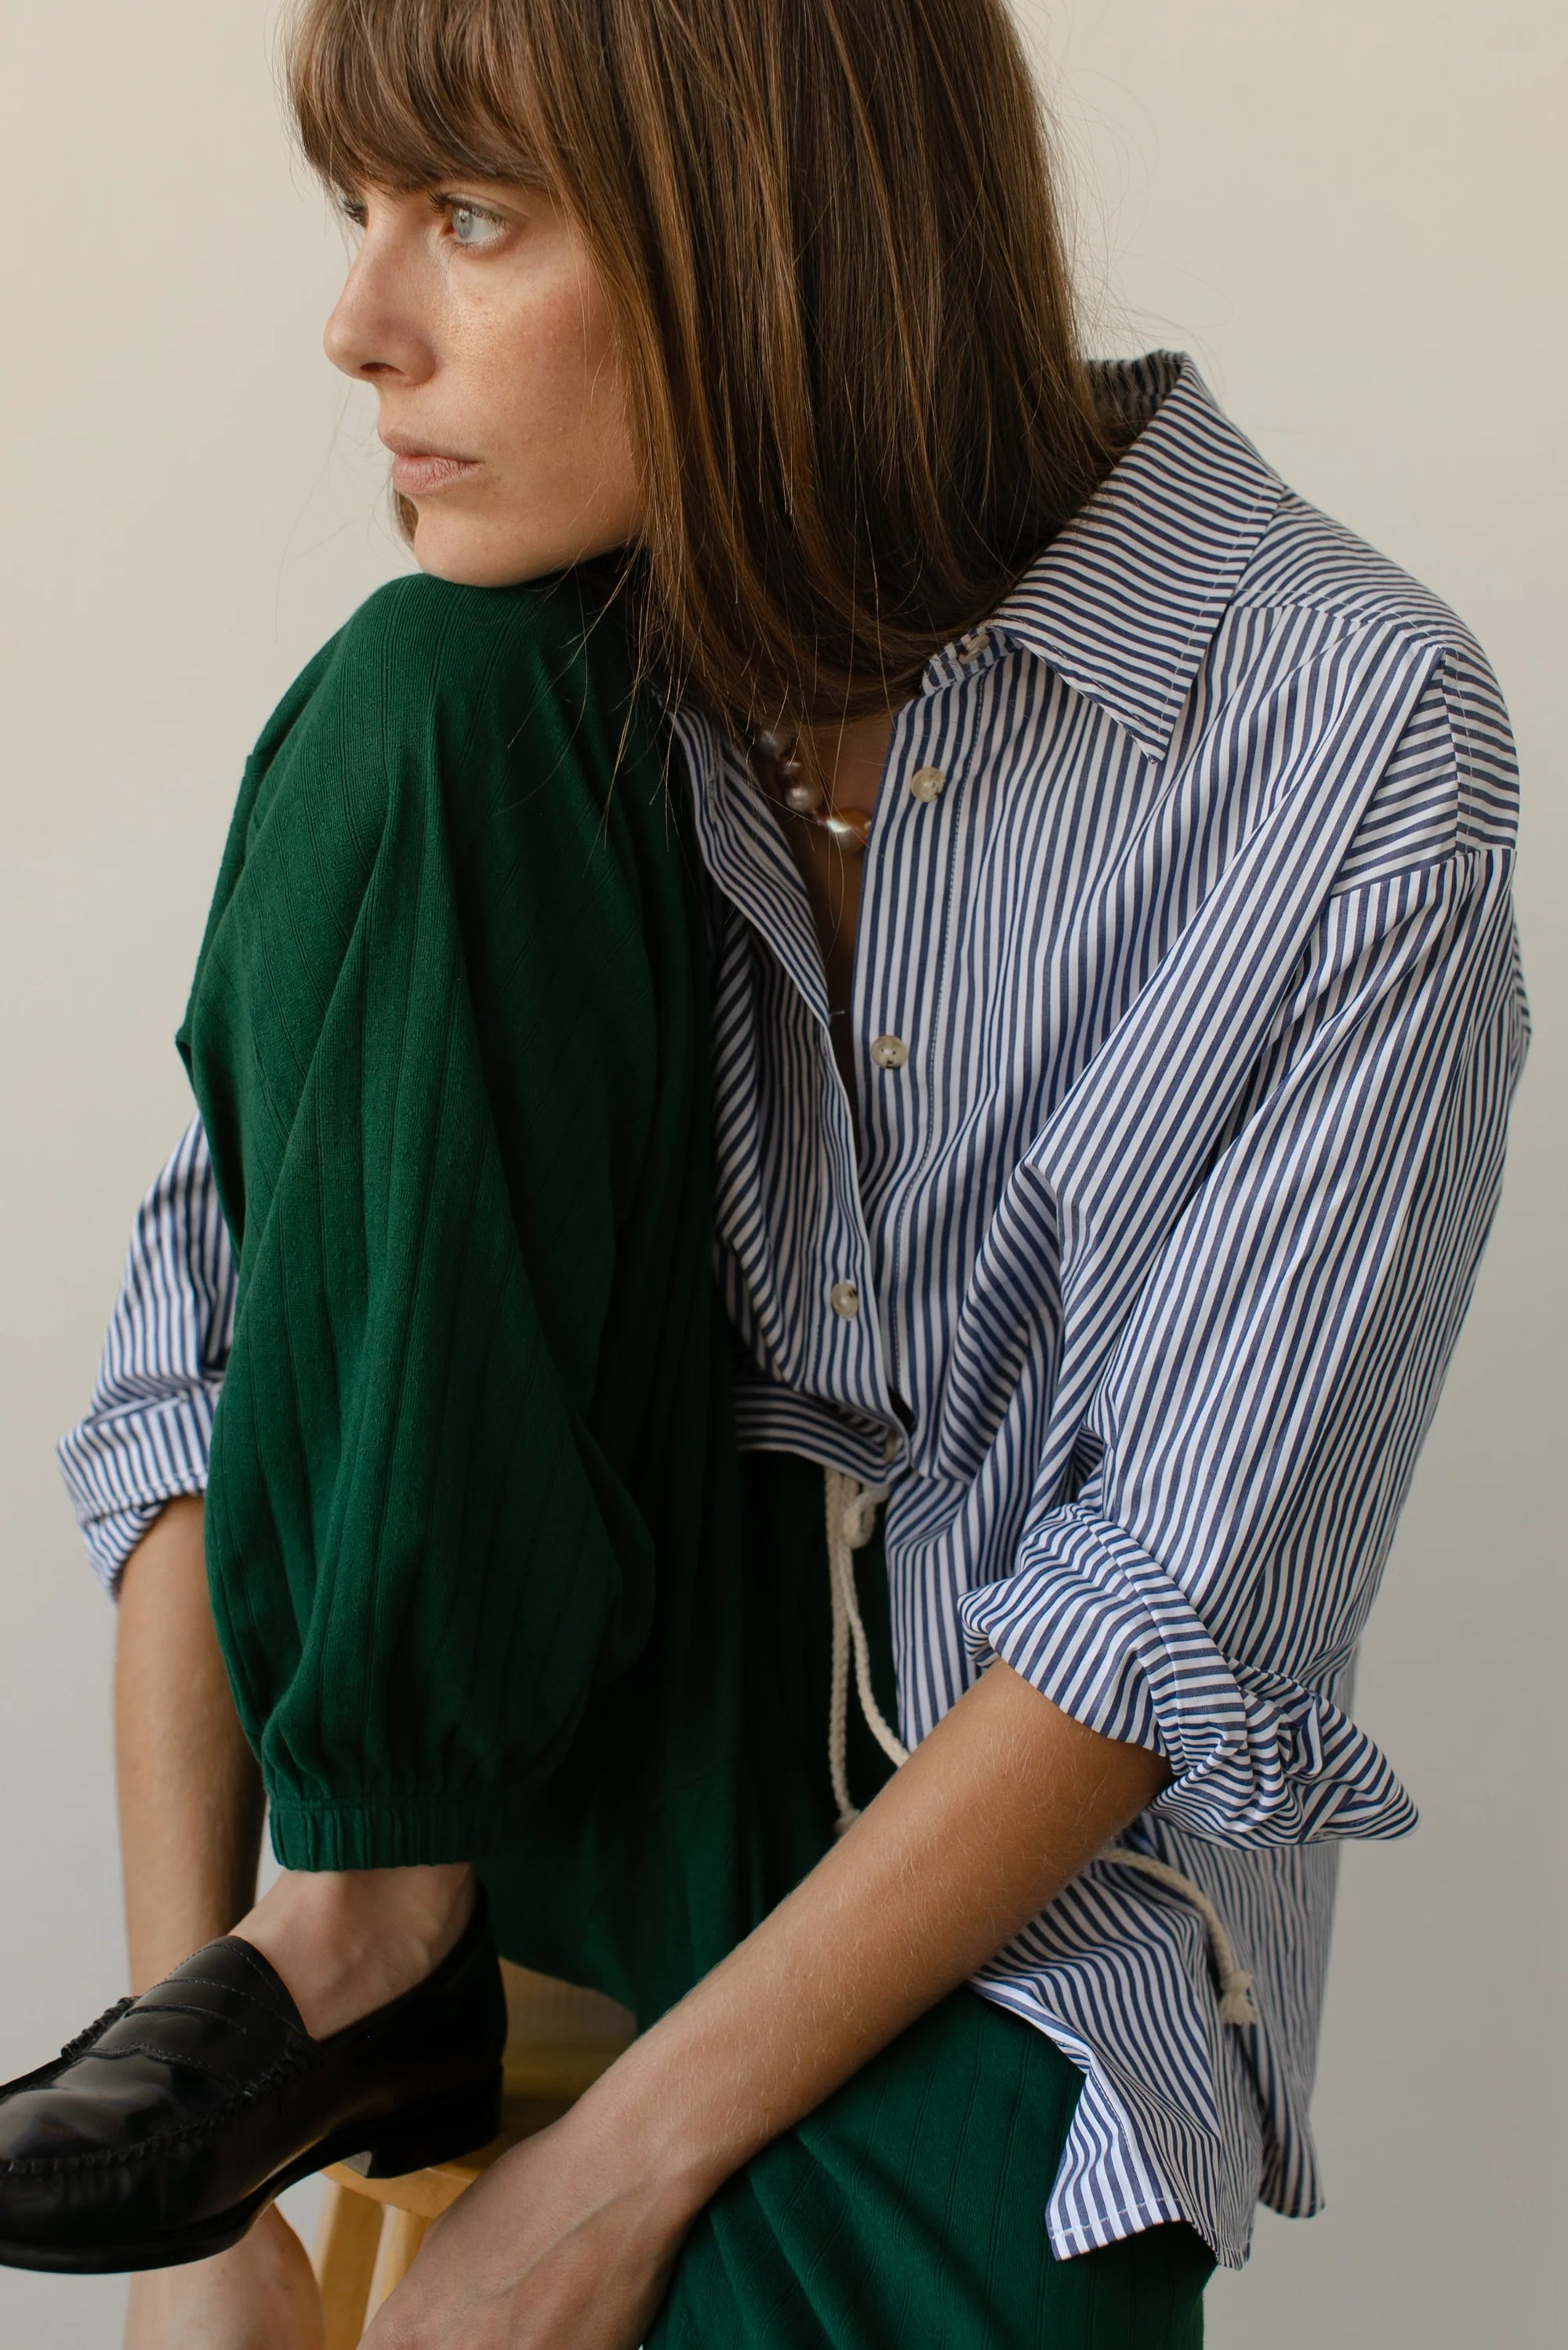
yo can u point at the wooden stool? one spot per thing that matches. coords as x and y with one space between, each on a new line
559 2040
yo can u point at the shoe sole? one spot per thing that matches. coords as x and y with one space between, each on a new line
456 2124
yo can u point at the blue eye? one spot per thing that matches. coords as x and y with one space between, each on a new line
472 226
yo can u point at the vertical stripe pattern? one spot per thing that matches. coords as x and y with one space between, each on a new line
148 1432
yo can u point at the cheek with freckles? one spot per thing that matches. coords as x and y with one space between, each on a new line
534 385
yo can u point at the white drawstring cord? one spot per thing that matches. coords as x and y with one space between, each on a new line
851 1518
1237 2004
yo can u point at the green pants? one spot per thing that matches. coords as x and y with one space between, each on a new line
491 1579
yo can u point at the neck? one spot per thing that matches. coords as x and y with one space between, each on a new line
849 754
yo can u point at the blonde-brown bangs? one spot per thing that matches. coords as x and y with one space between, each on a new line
399 94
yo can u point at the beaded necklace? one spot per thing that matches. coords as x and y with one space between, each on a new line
797 791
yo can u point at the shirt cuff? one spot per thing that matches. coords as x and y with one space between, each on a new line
1100 1628
121 1466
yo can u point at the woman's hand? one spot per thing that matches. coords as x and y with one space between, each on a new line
565 2243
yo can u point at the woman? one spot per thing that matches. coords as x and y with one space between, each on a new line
1059 883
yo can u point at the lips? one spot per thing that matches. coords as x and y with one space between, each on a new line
420 472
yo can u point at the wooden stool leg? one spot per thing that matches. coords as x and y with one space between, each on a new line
400 2238
346 2247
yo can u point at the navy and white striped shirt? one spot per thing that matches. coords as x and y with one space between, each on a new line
1137 1282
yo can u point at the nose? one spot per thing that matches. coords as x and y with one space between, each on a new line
374 330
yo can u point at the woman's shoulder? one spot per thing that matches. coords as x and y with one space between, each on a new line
1444 777
1307 563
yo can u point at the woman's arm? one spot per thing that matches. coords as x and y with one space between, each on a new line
993 1813
566 2244
189 1793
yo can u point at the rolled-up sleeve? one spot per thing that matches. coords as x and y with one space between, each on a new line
146 1432
1251 1442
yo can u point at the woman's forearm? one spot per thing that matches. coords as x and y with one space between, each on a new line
997 1810
189 1793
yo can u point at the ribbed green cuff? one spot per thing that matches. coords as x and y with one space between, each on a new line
316 1836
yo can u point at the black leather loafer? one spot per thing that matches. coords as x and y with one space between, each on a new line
157 2136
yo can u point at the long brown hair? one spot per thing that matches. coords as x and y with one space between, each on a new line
826 234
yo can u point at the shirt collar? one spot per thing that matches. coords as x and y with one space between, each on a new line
1124 600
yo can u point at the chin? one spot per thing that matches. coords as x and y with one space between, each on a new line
474 558
451 548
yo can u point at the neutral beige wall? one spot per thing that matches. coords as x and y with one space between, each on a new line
1352 213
